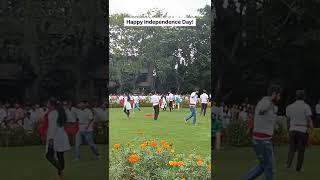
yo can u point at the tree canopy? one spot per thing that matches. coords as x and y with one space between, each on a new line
181 56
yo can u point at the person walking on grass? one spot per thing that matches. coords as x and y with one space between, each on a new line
299 117
264 121
204 102
171 101
155 100
127 106
136 100
192 104
57 138
86 122
164 103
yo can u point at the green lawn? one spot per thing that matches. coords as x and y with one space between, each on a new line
17 163
170 126
233 163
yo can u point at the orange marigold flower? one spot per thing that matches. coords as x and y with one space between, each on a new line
171 151
180 163
153 143
165 146
182 178
209 166
143 145
116 146
171 163
200 162
134 158
159 150
163 142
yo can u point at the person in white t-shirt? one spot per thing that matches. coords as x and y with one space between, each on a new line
127 106
171 101
192 104
155 100
86 121
299 115
204 102
136 101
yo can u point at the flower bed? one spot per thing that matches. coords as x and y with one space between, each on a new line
146 158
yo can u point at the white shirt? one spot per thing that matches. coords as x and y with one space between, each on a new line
3 115
58 134
204 98
136 99
155 99
193 98
171 97
85 116
128 105
33 116
71 114
298 113
100 114
318 109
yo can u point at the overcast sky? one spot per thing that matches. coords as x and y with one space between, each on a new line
176 8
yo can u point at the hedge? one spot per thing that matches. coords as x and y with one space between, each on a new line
20 137
184 104
236 135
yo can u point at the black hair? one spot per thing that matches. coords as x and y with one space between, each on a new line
300 95
274 89
62 117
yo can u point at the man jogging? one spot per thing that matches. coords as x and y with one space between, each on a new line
299 116
264 120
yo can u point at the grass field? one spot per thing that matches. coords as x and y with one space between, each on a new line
170 126
233 163
18 163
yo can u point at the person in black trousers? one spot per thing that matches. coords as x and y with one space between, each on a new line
155 99
299 116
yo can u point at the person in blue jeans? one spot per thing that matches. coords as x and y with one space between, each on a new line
192 104
85 118
264 120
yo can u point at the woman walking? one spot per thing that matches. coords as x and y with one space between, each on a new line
127 106
57 138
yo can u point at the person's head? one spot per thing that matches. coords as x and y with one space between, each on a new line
153 92
82 104
62 117
17 105
204 91
274 92
52 103
300 95
196 90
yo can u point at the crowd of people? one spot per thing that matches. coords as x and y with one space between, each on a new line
50 121
162 101
26 115
262 120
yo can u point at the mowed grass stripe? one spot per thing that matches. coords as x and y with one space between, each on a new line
170 126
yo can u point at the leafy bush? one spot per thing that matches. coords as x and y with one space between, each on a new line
20 137
314 137
145 160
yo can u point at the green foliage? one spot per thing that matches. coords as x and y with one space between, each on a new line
154 162
161 48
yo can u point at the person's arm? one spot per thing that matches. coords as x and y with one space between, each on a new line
91 120
309 115
264 106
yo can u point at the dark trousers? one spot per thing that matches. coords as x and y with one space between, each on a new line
156 112
58 162
297 142
171 106
203 109
127 112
